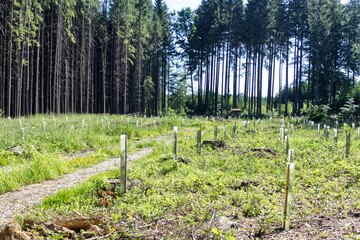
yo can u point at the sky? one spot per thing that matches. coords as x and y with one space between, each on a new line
179 4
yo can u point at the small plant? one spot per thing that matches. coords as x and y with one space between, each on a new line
349 109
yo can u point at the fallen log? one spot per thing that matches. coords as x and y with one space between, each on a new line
77 224
269 150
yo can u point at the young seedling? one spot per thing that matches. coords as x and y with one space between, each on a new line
123 163
175 150
290 173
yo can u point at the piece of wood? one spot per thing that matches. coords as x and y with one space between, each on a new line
290 173
77 224
13 231
123 163
269 150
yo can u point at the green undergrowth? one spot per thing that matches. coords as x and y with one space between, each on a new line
237 181
74 142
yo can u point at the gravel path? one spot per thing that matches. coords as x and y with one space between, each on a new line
16 202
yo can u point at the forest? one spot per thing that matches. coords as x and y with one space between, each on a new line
137 56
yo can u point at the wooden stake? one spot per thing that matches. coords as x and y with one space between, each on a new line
123 163
22 134
199 142
287 145
234 130
290 173
175 152
215 133
347 144
335 136
290 155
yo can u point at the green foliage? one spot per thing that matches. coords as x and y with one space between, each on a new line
316 113
350 108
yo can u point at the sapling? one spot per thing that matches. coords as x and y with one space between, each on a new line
20 123
9 120
44 124
287 144
137 123
123 163
281 134
318 128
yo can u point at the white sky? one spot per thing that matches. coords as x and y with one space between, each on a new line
179 4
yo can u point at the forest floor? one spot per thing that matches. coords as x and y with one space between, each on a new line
17 202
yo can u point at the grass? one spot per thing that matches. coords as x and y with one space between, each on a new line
40 154
231 185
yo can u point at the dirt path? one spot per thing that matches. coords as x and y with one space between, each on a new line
17 202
